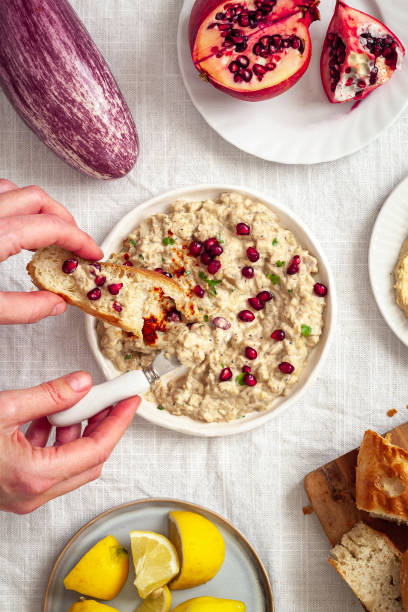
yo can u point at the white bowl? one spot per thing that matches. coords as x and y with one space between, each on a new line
184 424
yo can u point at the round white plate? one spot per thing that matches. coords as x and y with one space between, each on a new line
389 232
242 575
288 219
301 126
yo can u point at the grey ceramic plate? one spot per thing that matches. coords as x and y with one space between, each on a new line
242 576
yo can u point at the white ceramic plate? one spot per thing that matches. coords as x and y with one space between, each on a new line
389 232
301 126
242 575
184 424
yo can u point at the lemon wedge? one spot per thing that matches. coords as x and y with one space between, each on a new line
210 604
200 547
89 605
155 560
158 601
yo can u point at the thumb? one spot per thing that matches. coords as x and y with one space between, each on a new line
24 405
20 307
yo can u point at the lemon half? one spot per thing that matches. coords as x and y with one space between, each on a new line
155 560
89 605
158 601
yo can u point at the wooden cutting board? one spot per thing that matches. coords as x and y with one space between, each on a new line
332 493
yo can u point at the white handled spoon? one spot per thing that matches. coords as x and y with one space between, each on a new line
101 396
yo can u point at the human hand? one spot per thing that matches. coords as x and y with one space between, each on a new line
30 219
30 473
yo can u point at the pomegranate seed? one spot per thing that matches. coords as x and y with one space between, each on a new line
216 250
115 288
126 256
199 291
250 380
69 266
255 303
94 294
246 315
210 242
247 272
293 267
221 323
264 296
250 353
173 316
96 265
286 367
320 289
246 368
100 281
278 335
361 84
243 229
252 254
117 307
195 248
205 258
296 259
349 81
214 266
159 270
225 374
128 263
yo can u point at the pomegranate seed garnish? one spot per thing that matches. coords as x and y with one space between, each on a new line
293 267
128 263
195 248
216 250
69 266
210 242
278 335
296 259
205 258
255 303
214 266
199 291
320 289
264 296
117 307
247 272
159 270
100 280
221 323
250 353
225 374
252 254
286 367
243 229
246 315
250 380
94 294
246 368
96 265
115 288
173 316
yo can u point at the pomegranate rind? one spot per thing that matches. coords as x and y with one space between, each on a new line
348 20
288 64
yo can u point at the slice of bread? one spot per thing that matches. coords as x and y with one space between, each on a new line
382 478
371 565
404 580
123 296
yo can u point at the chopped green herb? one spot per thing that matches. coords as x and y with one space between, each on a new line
306 330
274 278
128 356
219 238
280 263
188 272
141 256
274 242
206 318
290 290
163 260
240 379
223 365
132 242
160 407
168 240
212 283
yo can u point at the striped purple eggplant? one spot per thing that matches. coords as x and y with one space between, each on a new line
59 83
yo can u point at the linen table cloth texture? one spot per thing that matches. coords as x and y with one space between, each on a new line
254 479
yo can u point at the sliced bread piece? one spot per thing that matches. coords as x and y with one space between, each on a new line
123 296
371 565
382 478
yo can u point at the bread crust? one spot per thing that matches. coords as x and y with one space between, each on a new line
404 581
382 478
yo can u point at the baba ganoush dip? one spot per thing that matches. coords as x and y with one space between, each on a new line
259 307
401 278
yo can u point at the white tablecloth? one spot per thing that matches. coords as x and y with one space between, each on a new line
256 479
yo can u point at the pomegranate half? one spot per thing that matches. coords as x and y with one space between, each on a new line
359 54
253 49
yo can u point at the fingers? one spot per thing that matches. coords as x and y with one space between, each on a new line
20 307
63 435
87 452
94 421
29 201
26 405
39 431
35 231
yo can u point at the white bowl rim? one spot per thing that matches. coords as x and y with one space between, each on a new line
183 424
